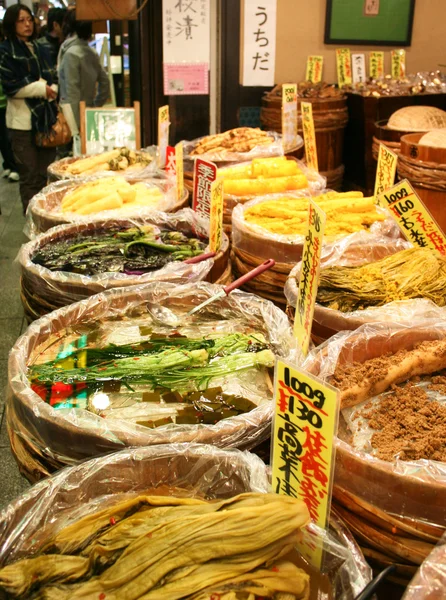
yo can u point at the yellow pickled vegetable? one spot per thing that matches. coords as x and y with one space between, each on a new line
260 187
110 202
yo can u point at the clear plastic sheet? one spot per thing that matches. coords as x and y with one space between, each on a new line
289 245
56 170
69 435
429 582
201 471
62 288
415 489
44 210
358 249
273 149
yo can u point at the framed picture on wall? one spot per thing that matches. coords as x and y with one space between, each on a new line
369 22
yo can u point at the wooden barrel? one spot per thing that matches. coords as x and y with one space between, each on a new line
43 290
330 118
425 168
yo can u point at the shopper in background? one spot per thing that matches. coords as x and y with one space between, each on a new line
27 76
81 76
53 37
9 167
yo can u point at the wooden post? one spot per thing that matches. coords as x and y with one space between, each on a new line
83 129
137 109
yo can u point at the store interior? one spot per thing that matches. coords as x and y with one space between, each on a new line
223 360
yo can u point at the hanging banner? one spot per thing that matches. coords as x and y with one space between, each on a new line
398 62
309 135
259 42
186 46
289 116
314 69
344 66
359 73
205 173
376 60
163 135
385 170
304 429
216 224
412 217
309 276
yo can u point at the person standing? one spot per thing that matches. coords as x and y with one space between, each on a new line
27 76
9 167
81 76
53 37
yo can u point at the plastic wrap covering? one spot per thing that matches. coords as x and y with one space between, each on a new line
223 155
44 210
194 470
354 250
406 488
123 317
429 582
44 290
57 170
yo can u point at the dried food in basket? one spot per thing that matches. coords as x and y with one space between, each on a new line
263 176
130 250
109 193
417 118
408 274
307 89
241 139
120 159
197 550
346 213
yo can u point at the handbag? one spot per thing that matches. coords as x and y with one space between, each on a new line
58 135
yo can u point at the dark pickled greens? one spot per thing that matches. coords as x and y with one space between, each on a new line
135 250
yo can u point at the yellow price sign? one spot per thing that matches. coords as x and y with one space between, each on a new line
412 217
216 224
376 62
398 61
163 135
314 69
309 276
309 135
179 169
385 170
305 423
289 115
344 66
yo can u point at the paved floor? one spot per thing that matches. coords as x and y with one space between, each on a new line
12 324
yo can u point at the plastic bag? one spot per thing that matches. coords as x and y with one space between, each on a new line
68 435
203 471
429 582
44 210
59 288
56 170
414 489
354 250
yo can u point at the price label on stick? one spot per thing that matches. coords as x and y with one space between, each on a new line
309 276
358 68
309 135
385 170
289 115
216 224
170 168
412 217
179 169
344 66
163 135
398 60
376 60
313 71
305 424
205 173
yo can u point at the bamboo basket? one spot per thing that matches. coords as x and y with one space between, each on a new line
425 168
395 514
43 290
45 207
330 118
54 440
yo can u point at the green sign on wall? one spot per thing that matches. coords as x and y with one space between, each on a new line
106 129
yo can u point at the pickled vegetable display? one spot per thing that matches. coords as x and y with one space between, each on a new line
120 159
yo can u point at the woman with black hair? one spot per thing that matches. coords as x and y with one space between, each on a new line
27 77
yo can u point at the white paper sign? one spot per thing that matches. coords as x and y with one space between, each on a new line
358 68
259 42
186 31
